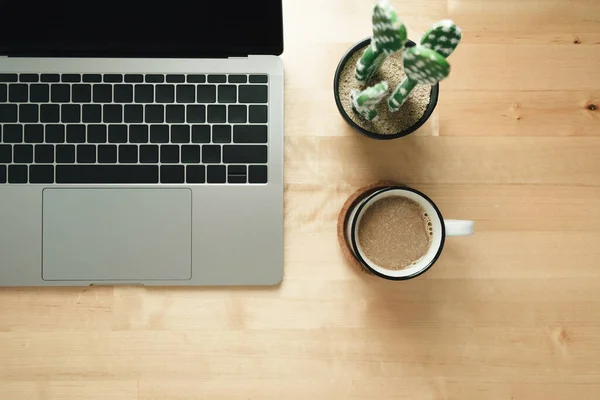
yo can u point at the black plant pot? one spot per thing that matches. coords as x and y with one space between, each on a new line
428 111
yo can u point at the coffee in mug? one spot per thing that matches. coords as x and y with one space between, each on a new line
398 232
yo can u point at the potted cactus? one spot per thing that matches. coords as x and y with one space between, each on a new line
388 60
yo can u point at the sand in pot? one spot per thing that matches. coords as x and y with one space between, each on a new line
387 123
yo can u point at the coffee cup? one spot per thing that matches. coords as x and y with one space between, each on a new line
424 244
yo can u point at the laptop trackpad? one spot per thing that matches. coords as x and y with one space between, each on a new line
117 234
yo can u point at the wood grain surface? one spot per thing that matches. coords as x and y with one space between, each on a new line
512 313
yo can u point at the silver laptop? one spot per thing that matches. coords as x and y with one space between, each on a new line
141 143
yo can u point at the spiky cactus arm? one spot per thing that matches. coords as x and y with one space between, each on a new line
364 102
443 37
422 65
389 36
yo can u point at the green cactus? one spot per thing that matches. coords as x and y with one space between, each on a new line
389 36
364 102
426 63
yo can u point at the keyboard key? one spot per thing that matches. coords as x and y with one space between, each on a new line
55 133
217 79
5 154
82 93
2 173
3 93
253 94
195 174
236 170
155 78
117 133
134 78
40 93
259 79
103 93
44 154
12 133
165 93
17 174
200 133
159 133
144 94
41 174
50 113
91 113
175 78
113 78
71 78
250 134
92 78
107 154
211 154
236 179
221 134
65 154
175 114
8 113
18 93
216 114
190 154
207 94
34 134
97 133
128 154
169 154
237 78
70 113
149 154
75 133
257 174
29 78
134 113
227 94
138 133
122 174
86 153
171 173
123 93
60 93
186 94
196 78
23 153
196 114
50 78
113 113
9 77
28 113
180 133
216 174
155 114
258 114
244 154
237 114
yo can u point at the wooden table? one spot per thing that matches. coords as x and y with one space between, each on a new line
511 313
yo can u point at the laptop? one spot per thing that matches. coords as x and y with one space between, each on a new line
141 144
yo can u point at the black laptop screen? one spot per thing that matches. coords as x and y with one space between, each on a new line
165 28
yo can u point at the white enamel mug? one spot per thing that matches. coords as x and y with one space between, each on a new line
441 228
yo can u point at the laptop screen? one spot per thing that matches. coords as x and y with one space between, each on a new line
112 28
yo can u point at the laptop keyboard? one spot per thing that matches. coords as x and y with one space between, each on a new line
133 129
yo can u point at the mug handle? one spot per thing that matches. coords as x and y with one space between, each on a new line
458 227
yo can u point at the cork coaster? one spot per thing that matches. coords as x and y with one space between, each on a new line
343 219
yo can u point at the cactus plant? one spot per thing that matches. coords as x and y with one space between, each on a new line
389 36
365 102
424 63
